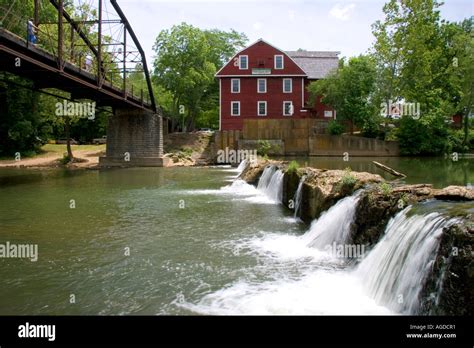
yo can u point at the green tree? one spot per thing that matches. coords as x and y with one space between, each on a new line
350 91
187 59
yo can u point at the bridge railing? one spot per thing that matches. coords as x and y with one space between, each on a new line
80 40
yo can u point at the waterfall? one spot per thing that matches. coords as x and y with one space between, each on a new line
242 166
266 177
334 225
395 271
271 183
299 196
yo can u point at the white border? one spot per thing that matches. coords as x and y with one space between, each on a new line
220 104
291 85
240 62
258 108
232 107
258 84
288 101
232 86
282 62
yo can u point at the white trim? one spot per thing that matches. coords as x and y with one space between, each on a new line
256 75
256 42
240 61
291 86
220 104
282 61
258 85
331 116
232 85
258 108
291 103
232 108
302 92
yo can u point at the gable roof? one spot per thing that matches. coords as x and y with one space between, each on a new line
218 74
316 64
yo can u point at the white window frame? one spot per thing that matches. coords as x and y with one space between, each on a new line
232 108
258 85
282 61
291 103
328 111
291 86
240 62
258 108
232 85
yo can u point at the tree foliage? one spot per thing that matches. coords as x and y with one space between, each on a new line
187 59
349 90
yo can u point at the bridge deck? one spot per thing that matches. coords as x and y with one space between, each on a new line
44 70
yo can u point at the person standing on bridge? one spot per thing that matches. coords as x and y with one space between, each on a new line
88 62
31 32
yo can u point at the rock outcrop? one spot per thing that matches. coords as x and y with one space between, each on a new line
449 288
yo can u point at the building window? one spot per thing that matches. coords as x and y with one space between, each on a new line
327 113
235 85
288 109
287 85
279 61
243 62
262 85
235 108
262 108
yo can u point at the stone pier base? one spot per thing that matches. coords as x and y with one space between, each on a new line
134 138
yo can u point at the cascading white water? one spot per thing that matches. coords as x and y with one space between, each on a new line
334 225
266 177
395 270
242 166
271 183
298 197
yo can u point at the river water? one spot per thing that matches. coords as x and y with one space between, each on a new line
163 241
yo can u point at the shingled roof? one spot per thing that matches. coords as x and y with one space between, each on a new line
316 64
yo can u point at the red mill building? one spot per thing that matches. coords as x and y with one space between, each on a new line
262 81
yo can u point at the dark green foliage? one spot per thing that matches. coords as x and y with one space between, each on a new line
335 128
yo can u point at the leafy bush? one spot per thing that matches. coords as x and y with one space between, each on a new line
386 189
264 147
422 137
370 128
335 128
293 167
348 180
456 141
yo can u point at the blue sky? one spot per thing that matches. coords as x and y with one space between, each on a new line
343 26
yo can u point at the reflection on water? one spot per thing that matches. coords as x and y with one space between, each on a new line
438 171
195 247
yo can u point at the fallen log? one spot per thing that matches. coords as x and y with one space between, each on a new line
389 170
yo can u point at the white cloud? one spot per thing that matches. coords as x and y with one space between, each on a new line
257 26
341 12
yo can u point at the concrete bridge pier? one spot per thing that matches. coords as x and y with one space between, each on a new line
134 139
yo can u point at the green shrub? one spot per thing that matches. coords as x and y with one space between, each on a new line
348 180
427 136
66 159
264 147
386 189
335 128
293 167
